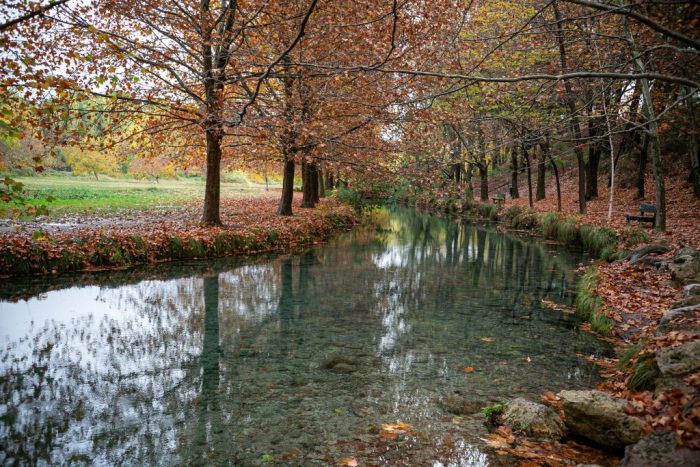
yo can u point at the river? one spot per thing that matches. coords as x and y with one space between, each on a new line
292 359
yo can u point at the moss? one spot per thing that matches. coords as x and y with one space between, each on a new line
492 410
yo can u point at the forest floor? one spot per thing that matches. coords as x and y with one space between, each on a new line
634 297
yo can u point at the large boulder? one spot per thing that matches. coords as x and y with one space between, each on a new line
686 266
679 360
600 418
533 419
659 450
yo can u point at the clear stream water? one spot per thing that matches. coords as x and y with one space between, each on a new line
290 360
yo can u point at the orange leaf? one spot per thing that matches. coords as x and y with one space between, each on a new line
349 461
469 369
487 339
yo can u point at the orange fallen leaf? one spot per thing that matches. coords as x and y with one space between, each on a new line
469 369
398 426
349 461
487 339
388 435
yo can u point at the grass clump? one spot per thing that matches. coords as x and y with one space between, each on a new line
486 211
628 353
548 224
567 231
633 235
588 304
524 219
646 371
598 239
512 212
600 323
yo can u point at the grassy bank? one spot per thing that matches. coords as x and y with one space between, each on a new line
259 230
76 194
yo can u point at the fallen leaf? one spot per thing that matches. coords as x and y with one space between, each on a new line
487 339
469 369
349 461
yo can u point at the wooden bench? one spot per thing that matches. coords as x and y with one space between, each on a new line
499 198
642 217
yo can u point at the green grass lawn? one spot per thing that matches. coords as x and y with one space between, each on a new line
73 194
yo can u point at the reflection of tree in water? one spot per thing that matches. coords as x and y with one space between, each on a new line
114 386
450 284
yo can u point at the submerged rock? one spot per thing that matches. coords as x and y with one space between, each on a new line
679 360
600 418
457 404
533 418
659 450
340 363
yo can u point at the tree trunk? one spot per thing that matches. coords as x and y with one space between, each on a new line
321 184
514 172
307 200
653 129
329 181
594 151
556 178
573 122
693 145
212 186
642 167
541 169
484 175
528 166
285 207
313 178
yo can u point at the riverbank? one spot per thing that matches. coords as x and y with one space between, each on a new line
633 296
250 226
642 298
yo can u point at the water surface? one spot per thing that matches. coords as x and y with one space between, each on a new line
294 360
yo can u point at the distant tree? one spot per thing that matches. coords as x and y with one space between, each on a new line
90 162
